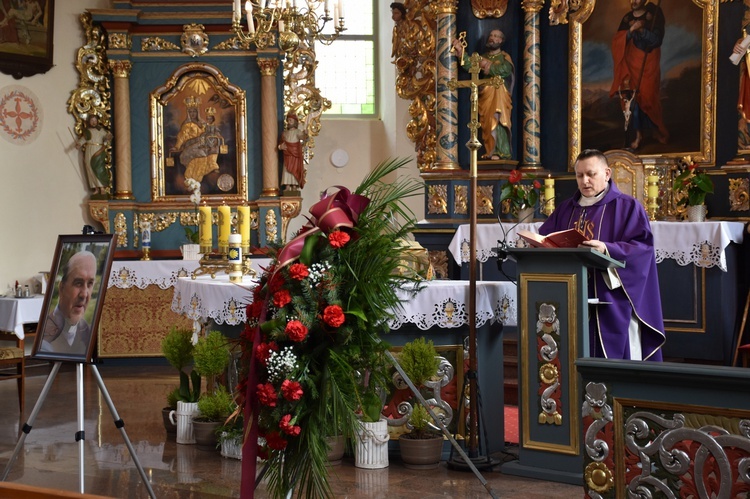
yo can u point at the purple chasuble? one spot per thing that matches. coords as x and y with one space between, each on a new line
621 222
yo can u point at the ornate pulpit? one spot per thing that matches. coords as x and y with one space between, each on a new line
553 331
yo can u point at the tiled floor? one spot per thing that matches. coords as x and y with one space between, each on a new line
50 455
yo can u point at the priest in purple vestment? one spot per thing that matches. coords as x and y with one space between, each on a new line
630 326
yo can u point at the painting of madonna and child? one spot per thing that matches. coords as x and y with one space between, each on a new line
642 76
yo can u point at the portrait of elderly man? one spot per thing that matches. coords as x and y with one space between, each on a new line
65 329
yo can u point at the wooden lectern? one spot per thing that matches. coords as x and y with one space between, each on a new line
553 331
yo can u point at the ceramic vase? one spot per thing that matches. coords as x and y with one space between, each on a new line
336 448
190 251
696 213
183 419
526 215
231 447
421 454
371 445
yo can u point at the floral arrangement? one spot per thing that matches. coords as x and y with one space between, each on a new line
312 356
518 195
691 184
194 187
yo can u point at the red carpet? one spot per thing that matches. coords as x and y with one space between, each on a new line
511 424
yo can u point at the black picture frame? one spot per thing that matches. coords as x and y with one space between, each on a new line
75 282
27 37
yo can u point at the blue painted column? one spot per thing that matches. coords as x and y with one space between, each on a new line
531 123
446 107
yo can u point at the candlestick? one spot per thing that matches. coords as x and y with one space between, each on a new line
549 195
234 256
243 223
225 227
146 239
205 234
653 194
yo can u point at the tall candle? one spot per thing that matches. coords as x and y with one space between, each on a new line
146 234
236 11
225 227
235 251
249 14
341 8
205 235
653 186
243 223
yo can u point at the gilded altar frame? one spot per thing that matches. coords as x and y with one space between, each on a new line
697 19
198 129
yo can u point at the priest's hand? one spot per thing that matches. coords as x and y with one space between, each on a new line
596 244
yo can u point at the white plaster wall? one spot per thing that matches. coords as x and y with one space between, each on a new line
43 193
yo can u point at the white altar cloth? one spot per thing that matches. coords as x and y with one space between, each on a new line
702 244
204 298
440 303
163 273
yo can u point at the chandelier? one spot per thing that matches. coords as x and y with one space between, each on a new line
298 29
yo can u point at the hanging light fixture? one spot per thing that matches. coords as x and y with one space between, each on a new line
299 25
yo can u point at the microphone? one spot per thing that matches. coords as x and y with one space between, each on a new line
502 246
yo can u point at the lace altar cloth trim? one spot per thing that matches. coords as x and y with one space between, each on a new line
702 244
142 274
445 304
218 299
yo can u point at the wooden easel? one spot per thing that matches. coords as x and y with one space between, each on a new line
741 331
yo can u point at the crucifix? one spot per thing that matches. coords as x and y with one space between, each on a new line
473 145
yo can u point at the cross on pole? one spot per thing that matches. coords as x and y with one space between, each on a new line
473 145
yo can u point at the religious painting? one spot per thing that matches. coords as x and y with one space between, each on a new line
72 306
198 132
743 101
642 78
26 36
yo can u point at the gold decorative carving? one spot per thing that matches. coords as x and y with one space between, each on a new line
443 6
414 54
92 97
290 208
159 221
489 8
121 41
254 223
532 6
271 227
157 44
120 68
484 200
739 200
121 229
460 199
99 211
437 199
598 477
439 262
559 9
194 40
268 66
233 43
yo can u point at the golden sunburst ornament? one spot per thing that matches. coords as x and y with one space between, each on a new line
598 477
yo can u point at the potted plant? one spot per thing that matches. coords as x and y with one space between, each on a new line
230 435
371 436
422 447
177 348
691 186
215 408
211 357
521 198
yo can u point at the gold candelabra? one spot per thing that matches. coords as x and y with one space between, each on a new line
300 24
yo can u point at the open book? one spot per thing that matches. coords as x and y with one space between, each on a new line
569 238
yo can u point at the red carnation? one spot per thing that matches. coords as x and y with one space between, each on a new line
333 315
275 441
254 309
289 428
263 351
267 395
537 185
291 390
262 452
282 298
515 176
296 331
338 238
298 271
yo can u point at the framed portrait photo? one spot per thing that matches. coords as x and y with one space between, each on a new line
69 321
26 36
642 78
